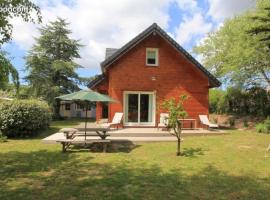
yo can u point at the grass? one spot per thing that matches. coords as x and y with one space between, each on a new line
56 125
233 166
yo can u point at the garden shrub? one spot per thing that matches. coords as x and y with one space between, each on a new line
3 138
264 127
245 123
22 118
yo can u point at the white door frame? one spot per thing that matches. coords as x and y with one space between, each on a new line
153 111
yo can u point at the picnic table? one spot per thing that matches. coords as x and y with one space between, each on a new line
71 134
100 131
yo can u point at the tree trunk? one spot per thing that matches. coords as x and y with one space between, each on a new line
57 109
179 130
178 147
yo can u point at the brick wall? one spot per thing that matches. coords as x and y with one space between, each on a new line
174 76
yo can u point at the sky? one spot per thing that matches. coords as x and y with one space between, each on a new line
99 24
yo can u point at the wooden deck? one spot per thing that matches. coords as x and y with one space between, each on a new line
136 135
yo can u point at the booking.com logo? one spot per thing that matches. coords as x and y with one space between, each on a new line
17 9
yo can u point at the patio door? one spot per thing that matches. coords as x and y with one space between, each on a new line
139 108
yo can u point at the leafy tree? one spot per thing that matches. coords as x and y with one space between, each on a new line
176 111
13 8
232 54
9 10
262 22
216 101
7 70
50 63
253 101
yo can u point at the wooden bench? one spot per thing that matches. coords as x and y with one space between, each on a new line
67 142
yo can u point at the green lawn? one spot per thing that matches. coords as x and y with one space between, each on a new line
233 166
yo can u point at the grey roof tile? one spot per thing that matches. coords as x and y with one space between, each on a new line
109 52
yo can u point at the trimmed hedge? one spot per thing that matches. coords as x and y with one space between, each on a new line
22 118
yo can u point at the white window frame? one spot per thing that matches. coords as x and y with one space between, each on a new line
153 111
156 51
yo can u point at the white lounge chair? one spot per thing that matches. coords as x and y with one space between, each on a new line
205 121
163 120
116 120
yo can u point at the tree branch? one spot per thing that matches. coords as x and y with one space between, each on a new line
265 76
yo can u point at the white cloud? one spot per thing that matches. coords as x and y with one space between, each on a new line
188 5
195 25
220 9
23 33
98 24
192 27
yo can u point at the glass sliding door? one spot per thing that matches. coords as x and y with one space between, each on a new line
133 106
139 108
146 108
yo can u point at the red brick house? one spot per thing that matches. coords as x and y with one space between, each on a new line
147 70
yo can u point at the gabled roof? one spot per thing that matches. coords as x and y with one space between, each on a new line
154 28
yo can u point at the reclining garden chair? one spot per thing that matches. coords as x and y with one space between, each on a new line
205 121
115 122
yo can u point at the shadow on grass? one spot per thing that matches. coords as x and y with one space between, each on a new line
192 152
115 146
52 175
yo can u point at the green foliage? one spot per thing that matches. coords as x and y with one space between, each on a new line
253 101
20 118
6 94
3 138
262 22
264 127
236 56
11 11
176 111
260 128
50 63
7 70
245 123
24 92
217 101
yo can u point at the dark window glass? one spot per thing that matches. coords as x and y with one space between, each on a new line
144 107
133 108
151 61
67 106
151 57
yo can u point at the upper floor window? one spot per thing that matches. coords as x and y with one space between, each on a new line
152 56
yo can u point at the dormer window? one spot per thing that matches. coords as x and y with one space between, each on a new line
151 56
